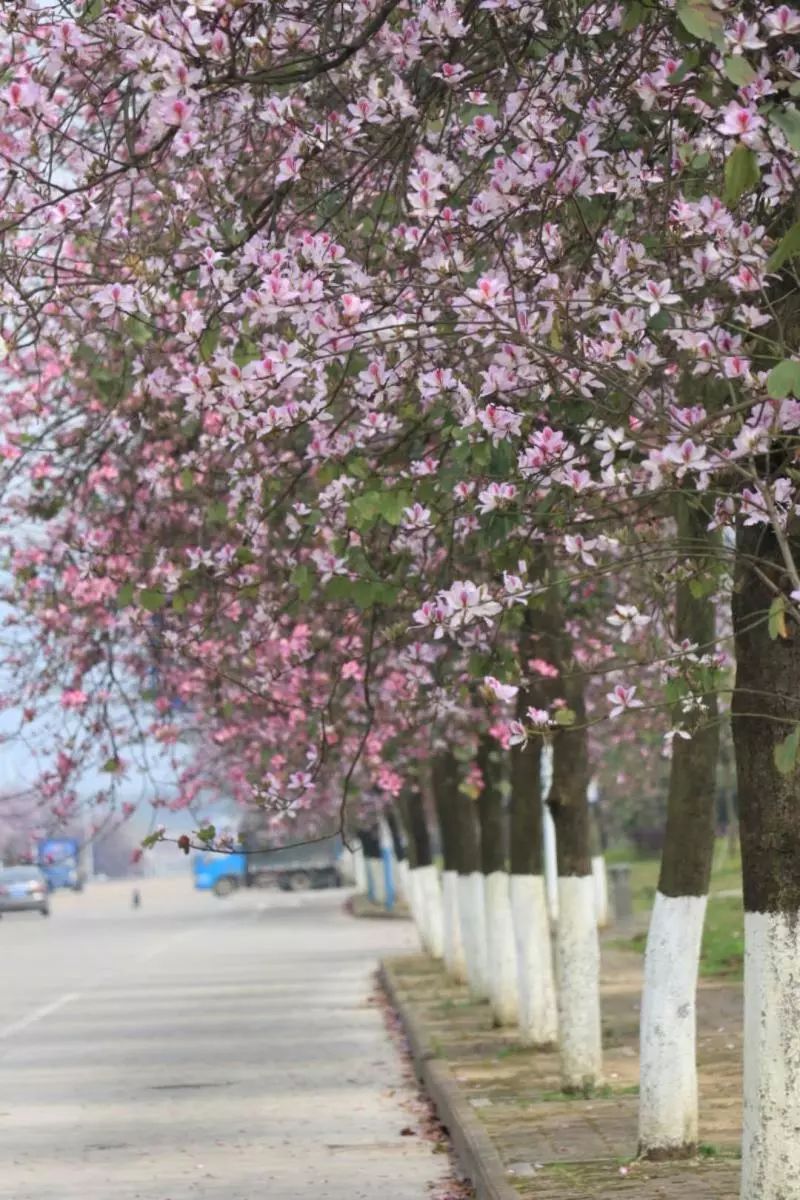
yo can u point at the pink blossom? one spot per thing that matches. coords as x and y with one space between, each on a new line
353 306
581 547
628 619
501 691
782 20
539 718
541 667
622 698
739 119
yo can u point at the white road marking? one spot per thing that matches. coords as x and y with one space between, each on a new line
38 1014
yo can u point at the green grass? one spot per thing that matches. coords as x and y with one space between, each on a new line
723 942
723 939
722 953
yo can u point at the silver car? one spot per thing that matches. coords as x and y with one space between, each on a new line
23 889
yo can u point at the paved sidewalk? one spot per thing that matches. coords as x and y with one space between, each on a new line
204 1050
559 1148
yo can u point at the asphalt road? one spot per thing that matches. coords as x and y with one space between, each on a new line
197 1049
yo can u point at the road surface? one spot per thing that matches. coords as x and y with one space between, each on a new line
201 1049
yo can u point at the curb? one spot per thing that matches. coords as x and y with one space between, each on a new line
478 1158
356 908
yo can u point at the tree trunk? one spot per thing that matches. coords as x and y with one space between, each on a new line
471 900
766 709
501 952
668 1069
447 801
599 872
424 888
538 1022
577 947
373 863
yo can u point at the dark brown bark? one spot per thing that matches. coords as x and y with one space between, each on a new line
525 837
397 835
490 810
568 800
689 837
370 841
468 836
526 808
766 707
444 777
417 832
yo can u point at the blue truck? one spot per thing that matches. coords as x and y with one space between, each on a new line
219 873
290 868
59 861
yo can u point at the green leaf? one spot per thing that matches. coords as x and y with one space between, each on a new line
187 479
339 588
125 595
358 467
676 77
777 618
564 716
785 752
702 21
181 601
660 321
741 173
365 593
633 16
787 247
739 71
111 766
244 556
246 351
365 509
784 380
92 11
206 834
151 600
702 586
137 331
392 505
217 512
303 580
209 342
788 121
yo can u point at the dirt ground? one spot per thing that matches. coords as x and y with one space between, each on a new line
561 1148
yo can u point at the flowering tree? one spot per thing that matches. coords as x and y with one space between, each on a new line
323 324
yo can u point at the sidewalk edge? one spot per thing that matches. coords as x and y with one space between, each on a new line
478 1158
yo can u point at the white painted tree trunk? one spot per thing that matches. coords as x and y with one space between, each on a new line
401 875
502 954
538 1014
549 851
359 869
376 878
453 947
430 891
472 915
345 865
668 1067
600 877
416 902
578 974
770 1139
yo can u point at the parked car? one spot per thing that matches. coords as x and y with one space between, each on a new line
23 889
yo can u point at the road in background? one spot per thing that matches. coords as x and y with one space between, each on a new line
200 1049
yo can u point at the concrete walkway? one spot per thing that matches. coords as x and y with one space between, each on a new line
201 1049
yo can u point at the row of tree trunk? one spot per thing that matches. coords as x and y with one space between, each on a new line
488 918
